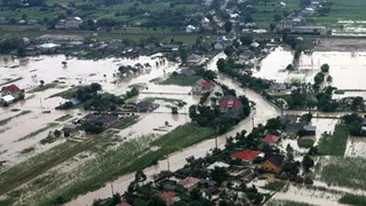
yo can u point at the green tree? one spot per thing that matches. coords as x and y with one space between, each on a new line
229 51
319 78
156 201
307 163
228 26
324 68
219 175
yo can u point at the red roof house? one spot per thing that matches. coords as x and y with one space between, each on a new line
168 197
202 86
246 155
271 139
189 182
11 89
230 103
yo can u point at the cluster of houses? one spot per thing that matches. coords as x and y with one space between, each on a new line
297 24
10 94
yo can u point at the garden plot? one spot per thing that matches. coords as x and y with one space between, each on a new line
356 147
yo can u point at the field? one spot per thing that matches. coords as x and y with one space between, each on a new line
355 200
344 172
335 144
107 165
181 81
340 10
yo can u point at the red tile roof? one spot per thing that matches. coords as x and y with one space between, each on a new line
189 182
270 139
228 103
123 204
11 89
204 84
167 196
247 155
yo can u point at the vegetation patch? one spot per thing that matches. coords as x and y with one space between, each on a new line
27 150
34 133
181 81
126 122
274 186
306 142
5 121
11 81
44 87
286 203
344 172
351 199
335 144
64 118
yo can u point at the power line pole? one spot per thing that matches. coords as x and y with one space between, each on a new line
167 158
112 189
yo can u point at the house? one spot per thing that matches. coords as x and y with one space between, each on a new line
69 129
168 197
273 162
271 139
106 120
48 47
194 59
205 22
231 106
308 131
243 173
282 5
170 48
218 164
288 119
185 72
145 106
278 87
7 99
218 46
246 156
72 23
190 29
189 182
12 90
202 86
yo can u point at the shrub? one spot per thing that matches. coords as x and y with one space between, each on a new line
325 68
305 142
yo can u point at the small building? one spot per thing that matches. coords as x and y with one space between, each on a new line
282 5
8 99
189 183
308 131
230 106
246 156
245 174
185 72
205 22
170 48
273 162
69 129
106 120
218 46
278 87
69 23
202 86
219 165
48 47
194 59
271 139
145 106
190 29
12 90
168 197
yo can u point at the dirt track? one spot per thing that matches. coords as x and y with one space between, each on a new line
341 44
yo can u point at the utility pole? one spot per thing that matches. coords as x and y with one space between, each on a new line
253 121
40 101
216 145
167 158
112 189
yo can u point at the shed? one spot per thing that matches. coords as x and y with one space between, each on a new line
8 99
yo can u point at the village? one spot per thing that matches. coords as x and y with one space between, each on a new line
224 103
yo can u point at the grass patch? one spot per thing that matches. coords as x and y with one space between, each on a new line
306 142
5 121
335 144
344 172
11 81
44 87
27 150
351 199
170 100
68 94
286 203
274 186
181 81
126 122
34 133
109 164
64 118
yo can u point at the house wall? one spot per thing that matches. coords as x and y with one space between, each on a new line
269 167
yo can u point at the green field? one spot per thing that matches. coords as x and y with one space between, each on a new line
335 144
107 165
181 81
344 10
344 172
351 199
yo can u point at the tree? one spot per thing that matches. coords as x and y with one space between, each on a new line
209 75
307 163
21 51
272 26
228 26
174 110
219 175
42 83
324 68
229 51
195 194
274 124
95 87
319 78
140 176
277 17
156 201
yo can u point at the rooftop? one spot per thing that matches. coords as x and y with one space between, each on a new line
246 155
204 84
275 159
218 164
270 139
11 89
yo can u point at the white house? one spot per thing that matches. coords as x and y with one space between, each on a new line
7 99
190 29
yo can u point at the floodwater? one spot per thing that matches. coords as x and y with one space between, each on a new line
346 68
77 72
264 110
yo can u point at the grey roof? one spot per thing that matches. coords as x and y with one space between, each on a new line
144 104
309 128
69 126
278 86
275 159
288 119
194 58
100 118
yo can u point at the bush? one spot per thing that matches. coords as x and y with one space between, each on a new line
308 181
353 200
324 68
319 78
299 179
305 142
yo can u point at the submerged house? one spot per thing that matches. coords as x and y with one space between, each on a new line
273 162
194 59
231 106
202 86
